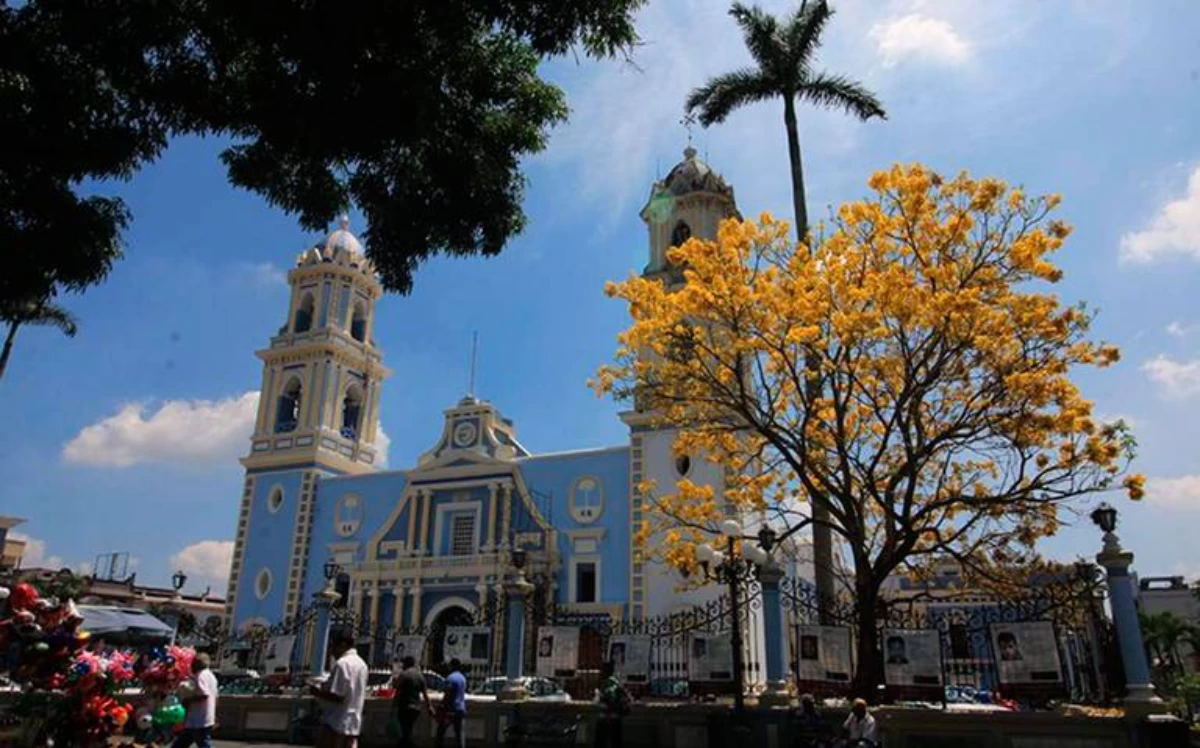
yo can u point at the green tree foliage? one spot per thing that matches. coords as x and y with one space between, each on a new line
419 113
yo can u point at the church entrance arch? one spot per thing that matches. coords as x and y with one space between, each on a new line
447 614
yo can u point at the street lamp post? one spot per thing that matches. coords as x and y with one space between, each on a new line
325 600
734 568
1139 691
178 579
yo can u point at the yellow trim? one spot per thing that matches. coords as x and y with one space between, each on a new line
374 544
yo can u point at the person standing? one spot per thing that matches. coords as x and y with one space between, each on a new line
614 701
410 691
344 692
454 706
201 706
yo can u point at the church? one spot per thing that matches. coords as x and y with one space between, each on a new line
430 543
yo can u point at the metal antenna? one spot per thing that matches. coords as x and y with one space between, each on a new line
687 122
474 350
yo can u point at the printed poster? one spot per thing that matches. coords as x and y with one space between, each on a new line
470 645
1026 652
278 657
408 646
710 657
557 651
630 656
824 653
912 658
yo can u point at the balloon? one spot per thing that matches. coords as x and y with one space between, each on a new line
144 721
4 593
23 597
186 689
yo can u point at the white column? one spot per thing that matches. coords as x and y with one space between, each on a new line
506 511
493 488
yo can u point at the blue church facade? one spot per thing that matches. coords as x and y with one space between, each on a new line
434 540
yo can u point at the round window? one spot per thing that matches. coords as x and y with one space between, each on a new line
275 499
262 583
683 464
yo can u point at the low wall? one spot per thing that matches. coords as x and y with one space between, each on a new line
266 718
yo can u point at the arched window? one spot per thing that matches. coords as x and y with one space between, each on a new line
287 414
358 323
304 314
680 234
351 411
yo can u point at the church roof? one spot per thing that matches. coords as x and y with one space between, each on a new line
693 175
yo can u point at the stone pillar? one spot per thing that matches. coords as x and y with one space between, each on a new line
415 617
323 602
506 512
1139 693
398 593
491 526
776 694
516 593
425 522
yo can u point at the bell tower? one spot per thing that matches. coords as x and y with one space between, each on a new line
318 415
691 200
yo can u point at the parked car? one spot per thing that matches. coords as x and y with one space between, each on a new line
540 689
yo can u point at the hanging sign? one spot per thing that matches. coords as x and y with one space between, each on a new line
408 646
710 657
1026 652
630 656
278 657
470 645
557 651
912 658
823 653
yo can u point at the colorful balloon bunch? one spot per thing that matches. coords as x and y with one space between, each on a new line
166 668
39 638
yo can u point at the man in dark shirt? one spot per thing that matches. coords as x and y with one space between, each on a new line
410 691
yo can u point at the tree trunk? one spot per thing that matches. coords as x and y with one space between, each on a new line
8 345
822 535
868 669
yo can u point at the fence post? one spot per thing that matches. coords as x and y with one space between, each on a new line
323 601
516 592
769 576
1139 692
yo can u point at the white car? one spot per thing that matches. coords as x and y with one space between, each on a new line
540 689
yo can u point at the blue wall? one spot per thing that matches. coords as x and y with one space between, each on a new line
553 475
268 545
378 494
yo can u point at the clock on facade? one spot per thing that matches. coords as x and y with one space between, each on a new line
464 434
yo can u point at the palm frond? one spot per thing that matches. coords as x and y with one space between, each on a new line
717 99
761 32
839 92
804 31
51 315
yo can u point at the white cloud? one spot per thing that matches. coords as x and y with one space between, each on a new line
382 444
206 563
918 37
35 556
263 274
1178 379
1175 230
1177 329
182 432
1181 493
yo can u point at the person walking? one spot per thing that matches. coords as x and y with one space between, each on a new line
454 706
614 701
410 691
201 706
344 693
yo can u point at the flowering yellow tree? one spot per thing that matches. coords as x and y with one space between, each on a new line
909 366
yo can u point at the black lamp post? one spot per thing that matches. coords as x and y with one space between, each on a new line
735 569
178 580
1105 517
331 570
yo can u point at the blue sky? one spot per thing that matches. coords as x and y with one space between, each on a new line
127 437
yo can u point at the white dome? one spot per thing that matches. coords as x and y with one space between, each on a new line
342 239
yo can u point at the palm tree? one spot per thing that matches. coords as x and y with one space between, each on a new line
784 54
40 312
1163 633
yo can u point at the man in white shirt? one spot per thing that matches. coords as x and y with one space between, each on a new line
201 706
344 693
860 725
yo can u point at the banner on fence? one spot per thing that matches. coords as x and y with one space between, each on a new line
912 658
557 651
1026 653
823 653
278 657
710 657
630 656
408 646
470 645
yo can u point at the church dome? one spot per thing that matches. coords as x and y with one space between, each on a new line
342 239
693 175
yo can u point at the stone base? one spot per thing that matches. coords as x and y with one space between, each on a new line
1140 701
776 695
513 691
